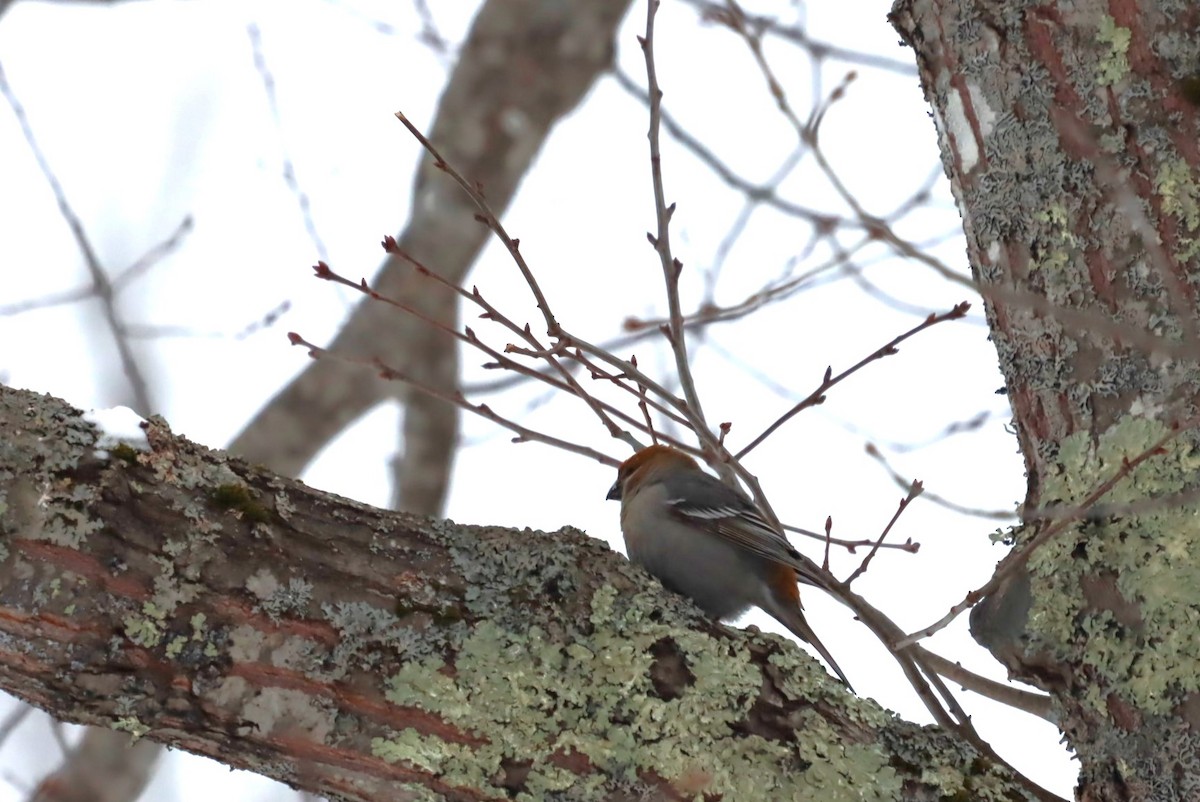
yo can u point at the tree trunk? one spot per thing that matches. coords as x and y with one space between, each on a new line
1069 132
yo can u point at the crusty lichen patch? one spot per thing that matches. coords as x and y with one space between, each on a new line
1115 65
513 688
1150 656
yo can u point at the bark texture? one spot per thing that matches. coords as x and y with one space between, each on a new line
1070 132
181 595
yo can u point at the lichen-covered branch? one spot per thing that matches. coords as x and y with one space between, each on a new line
181 595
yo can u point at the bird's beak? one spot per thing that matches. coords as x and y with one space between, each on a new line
614 492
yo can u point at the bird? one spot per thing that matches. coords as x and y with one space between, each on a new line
707 541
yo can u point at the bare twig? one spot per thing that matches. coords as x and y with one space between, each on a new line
735 18
101 288
147 331
468 336
828 540
487 216
661 240
755 192
921 669
563 338
914 490
645 408
524 434
552 358
13 720
155 255
1037 704
818 396
941 501
123 278
851 545
289 167
1019 558
817 49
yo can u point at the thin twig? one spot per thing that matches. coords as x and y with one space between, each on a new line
735 18
818 396
155 255
102 288
643 406
661 240
554 329
851 545
552 358
914 490
13 720
524 434
124 277
941 501
469 337
1018 558
1037 704
289 167
487 216
817 49
921 670
828 541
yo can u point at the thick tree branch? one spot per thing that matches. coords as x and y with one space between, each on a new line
181 595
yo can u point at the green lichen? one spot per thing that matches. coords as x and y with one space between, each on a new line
175 647
131 725
146 629
1151 656
1176 185
125 453
596 693
1115 65
239 498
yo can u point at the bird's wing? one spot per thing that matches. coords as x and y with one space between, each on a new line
706 502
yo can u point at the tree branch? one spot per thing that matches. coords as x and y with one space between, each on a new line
179 594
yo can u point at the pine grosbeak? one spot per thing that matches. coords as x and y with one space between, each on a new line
707 541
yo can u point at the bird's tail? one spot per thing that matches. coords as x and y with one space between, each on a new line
792 617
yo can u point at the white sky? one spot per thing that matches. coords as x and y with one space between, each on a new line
151 112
